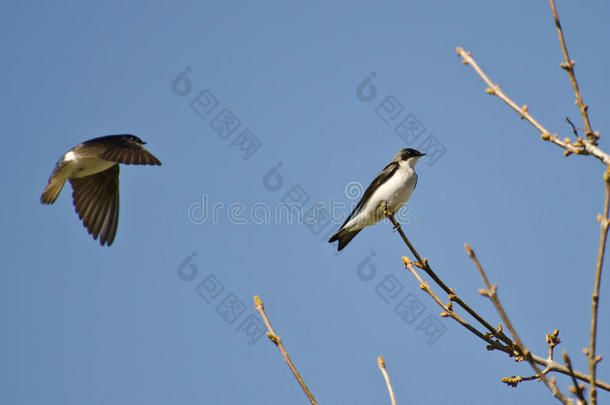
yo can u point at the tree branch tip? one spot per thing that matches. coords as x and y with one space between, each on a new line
381 362
406 261
444 314
553 338
585 351
257 302
511 381
566 153
546 137
469 250
491 91
452 297
484 292
574 390
598 358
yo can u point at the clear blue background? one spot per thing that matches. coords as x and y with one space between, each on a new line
82 324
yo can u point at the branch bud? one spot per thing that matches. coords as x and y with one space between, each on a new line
469 250
257 302
275 339
381 362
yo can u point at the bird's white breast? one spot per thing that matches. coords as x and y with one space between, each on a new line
396 191
84 166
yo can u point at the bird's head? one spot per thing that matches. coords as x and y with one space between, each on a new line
409 155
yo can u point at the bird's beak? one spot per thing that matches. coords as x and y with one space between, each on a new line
422 154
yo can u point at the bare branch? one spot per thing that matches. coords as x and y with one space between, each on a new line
568 66
509 346
579 147
258 305
491 293
604 222
449 312
578 388
381 364
423 264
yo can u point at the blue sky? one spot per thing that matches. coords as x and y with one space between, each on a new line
146 320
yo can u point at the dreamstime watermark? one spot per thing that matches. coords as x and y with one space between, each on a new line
288 211
225 123
406 126
405 304
227 304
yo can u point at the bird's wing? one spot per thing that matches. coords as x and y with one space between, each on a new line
96 200
381 178
119 149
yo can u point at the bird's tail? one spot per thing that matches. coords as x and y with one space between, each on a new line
51 192
344 237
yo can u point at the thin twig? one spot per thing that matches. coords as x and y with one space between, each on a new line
604 222
381 364
578 147
258 305
491 293
515 380
568 66
552 339
578 389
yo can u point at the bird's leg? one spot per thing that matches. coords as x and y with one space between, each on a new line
386 209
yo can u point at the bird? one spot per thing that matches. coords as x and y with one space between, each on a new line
393 185
92 167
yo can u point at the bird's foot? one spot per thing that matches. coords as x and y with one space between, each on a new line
386 209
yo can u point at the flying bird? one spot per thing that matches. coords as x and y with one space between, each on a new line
394 185
92 168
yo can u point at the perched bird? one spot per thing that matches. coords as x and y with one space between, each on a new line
394 185
92 168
